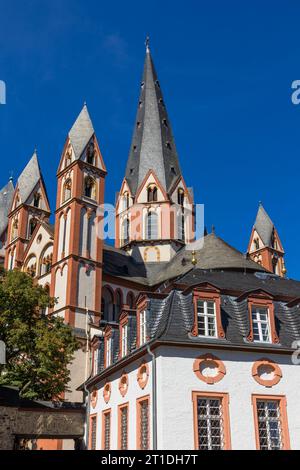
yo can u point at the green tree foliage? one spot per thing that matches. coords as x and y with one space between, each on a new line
38 346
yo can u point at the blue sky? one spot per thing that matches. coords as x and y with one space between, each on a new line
225 68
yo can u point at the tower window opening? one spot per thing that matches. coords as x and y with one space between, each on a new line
125 231
168 145
256 243
90 154
67 190
32 225
152 194
165 122
36 200
90 188
180 197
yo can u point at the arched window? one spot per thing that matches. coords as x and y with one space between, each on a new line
15 226
107 303
67 190
152 193
181 231
89 187
90 153
32 225
256 243
152 226
36 199
125 201
125 231
180 197
118 306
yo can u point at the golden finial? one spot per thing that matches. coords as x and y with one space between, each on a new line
194 259
284 270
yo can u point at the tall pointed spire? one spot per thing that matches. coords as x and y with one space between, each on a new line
81 132
153 146
29 177
6 197
264 226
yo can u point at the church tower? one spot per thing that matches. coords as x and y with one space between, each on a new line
76 275
265 247
154 212
29 205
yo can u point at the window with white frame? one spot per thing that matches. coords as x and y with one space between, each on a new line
269 424
210 423
143 327
207 318
108 352
95 361
124 340
260 324
152 226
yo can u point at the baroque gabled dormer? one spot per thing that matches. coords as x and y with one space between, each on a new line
265 247
154 216
29 206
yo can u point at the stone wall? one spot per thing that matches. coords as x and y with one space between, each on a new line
39 423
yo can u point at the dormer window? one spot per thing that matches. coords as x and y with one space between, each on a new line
108 352
260 324
143 326
124 340
262 319
95 360
207 323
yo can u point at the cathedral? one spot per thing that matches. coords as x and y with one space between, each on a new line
182 345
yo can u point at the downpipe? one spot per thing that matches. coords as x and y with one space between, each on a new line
154 398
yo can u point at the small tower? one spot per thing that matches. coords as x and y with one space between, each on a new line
29 205
154 211
265 247
76 276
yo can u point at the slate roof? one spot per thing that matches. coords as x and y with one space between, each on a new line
29 178
153 145
264 226
6 197
81 132
214 254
